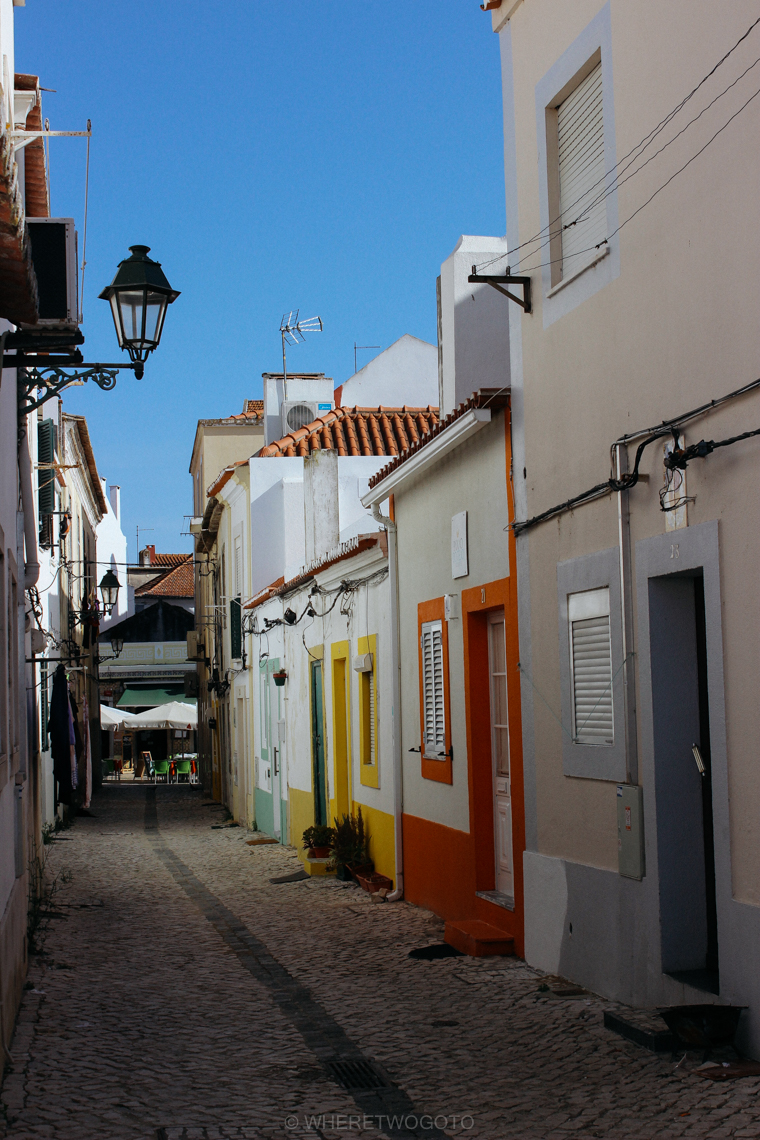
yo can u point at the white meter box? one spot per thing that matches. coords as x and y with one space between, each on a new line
630 822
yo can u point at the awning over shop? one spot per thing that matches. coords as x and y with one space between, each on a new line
149 698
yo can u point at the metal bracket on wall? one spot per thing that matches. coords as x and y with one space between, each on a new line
497 281
49 380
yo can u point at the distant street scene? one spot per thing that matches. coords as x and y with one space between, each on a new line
379 407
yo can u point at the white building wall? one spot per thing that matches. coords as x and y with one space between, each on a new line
112 555
406 373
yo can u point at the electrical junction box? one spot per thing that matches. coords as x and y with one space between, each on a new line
630 821
450 606
363 663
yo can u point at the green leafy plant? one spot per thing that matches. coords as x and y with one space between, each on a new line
318 835
351 842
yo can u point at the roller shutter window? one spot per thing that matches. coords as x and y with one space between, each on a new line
372 719
434 732
591 667
580 139
46 480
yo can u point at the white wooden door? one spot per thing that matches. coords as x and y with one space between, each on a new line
497 668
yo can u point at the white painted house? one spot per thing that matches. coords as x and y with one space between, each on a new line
314 755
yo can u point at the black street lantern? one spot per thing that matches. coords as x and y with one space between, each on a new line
140 295
109 591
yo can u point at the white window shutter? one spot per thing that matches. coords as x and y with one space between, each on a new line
434 714
580 138
591 651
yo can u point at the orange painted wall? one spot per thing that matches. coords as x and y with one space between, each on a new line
444 867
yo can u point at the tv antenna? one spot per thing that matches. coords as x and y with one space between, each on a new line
360 348
292 330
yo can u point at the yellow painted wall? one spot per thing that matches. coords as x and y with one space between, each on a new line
382 843
301 815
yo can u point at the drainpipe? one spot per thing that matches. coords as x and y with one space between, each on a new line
398 776
626 604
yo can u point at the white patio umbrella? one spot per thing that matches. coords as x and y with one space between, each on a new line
115 718
172 715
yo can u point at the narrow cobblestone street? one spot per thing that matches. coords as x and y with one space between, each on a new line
181 994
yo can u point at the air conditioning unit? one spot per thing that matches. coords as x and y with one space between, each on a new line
195 649
54 256
299 413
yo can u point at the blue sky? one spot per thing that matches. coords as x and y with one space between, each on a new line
323 155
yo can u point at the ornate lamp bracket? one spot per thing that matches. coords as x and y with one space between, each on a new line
41 382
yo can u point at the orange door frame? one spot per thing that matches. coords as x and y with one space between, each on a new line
476 603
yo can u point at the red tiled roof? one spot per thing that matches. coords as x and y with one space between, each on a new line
358 431
176 583
493 398
168 559
224 477
253 410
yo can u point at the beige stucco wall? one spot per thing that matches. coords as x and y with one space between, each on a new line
471 478
676 327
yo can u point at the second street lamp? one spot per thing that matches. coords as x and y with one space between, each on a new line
109 591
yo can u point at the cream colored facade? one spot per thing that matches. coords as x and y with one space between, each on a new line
219 445
658 318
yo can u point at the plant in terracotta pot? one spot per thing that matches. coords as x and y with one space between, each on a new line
318 840
351 847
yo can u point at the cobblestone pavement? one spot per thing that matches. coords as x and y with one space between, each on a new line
183 996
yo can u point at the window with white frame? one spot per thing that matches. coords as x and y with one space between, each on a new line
580 172
591 667
434 707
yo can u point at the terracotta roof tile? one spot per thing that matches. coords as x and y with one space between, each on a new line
358 431
493 398
224 477
168 559
176 583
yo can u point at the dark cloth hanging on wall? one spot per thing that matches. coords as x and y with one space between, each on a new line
59 727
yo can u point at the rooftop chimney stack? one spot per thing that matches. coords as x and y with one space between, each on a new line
114 494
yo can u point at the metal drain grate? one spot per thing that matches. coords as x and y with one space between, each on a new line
358 1075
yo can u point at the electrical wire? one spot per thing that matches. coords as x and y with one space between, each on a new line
639 147
629 480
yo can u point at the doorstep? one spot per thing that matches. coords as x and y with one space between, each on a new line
478 939
317 866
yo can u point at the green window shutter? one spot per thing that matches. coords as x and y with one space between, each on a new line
236 637
46 480
44 706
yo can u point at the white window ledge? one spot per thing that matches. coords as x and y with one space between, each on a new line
599 256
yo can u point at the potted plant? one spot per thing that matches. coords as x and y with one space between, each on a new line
351 847
317 840
280 677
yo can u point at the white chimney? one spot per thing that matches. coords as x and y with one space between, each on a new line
320 503
473 323
114 494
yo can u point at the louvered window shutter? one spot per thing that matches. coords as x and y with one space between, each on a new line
580 138
372 727
591 660
434 734
46 481
236 633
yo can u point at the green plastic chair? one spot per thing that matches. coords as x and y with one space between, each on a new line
182 768
161 768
